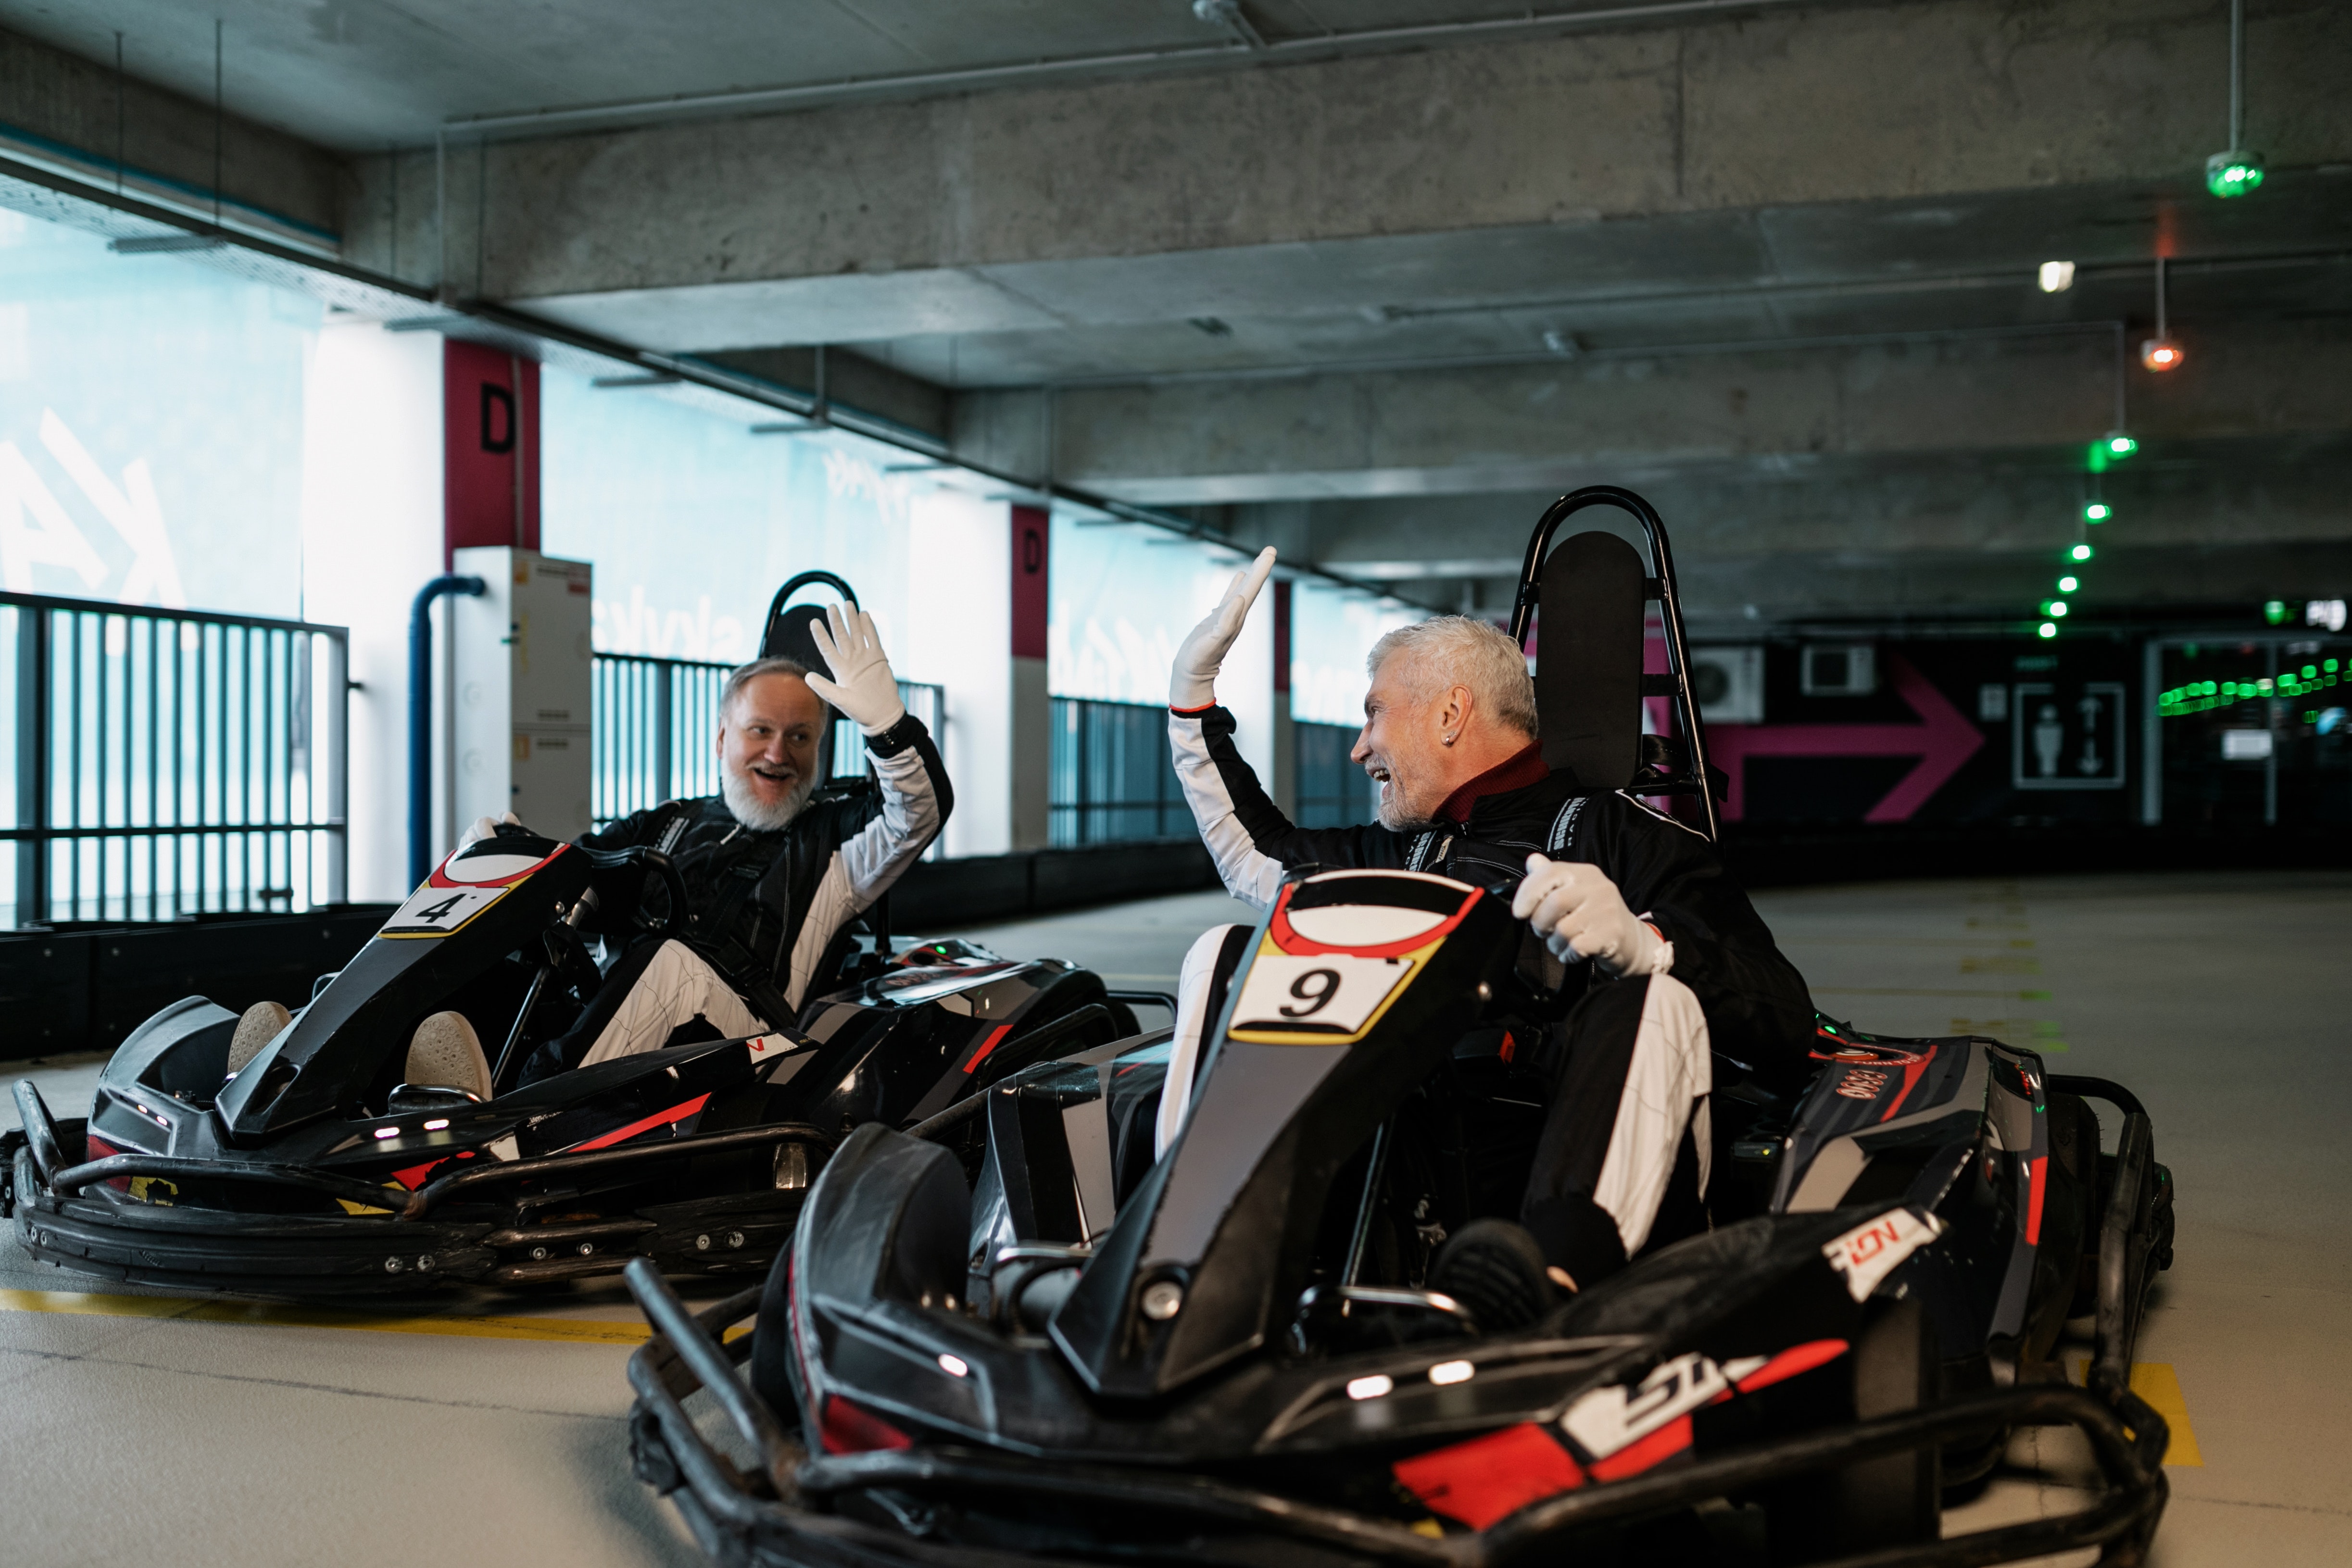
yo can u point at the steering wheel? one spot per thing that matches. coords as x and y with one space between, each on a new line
641 860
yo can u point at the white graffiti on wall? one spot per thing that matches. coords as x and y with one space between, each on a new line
37 531
638 627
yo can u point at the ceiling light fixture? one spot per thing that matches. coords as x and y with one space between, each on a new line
2069 584
2057 276
2239 170
2160 353
2049 629
2080 552
2097 512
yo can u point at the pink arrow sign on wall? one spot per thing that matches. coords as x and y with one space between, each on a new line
1942 740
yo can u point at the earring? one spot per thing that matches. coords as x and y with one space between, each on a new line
1449 740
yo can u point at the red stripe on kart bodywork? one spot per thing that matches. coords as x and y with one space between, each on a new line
995 1038
1479 1481
1911 1072
1790 1362
846 1430
658 1119
2037 1168
1288 940
95 1149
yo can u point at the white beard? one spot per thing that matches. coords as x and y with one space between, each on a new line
1391 810
735 788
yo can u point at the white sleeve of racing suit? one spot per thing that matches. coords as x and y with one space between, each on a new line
1249 875
864 866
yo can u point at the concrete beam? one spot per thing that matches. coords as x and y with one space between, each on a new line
2194 522
1046 206
1524 426
73 113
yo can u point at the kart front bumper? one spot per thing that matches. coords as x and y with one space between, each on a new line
121 1217
813 1511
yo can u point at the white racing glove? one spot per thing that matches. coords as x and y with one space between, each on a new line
1580 914
485 828
1193 680
862 685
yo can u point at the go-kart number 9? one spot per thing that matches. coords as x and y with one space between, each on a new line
438 911
1330 993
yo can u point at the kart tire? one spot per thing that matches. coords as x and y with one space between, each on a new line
2074 1152
1893 1499
771 1344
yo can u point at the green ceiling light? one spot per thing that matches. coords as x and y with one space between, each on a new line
2121 445
2048 629
2097 512
2068 584
2233 174
2275 612
2054 608
2239 170
2080 552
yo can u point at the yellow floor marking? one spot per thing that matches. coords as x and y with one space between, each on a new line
1915 991
198 1310
2155 1381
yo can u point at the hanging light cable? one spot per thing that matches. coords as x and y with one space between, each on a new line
2237 171
2160 353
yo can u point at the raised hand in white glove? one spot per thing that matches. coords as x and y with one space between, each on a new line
1580 914
482 828
862 685
1193 680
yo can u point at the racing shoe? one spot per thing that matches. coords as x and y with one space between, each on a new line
445 1053
1494 1268
261 1023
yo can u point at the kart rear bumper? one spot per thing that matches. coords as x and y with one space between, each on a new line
793 1514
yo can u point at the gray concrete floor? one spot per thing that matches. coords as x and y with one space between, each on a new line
135 1426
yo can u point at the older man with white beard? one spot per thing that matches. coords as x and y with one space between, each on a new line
771 875
1668 960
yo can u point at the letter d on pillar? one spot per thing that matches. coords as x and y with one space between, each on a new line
1032 708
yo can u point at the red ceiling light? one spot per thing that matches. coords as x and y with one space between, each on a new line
2160 353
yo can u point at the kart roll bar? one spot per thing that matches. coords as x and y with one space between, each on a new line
40 1130
1659 585
2128 1440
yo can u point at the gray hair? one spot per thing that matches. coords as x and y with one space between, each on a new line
1461 651
744 675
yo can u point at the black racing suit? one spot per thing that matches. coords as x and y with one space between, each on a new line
1757 1010
764 907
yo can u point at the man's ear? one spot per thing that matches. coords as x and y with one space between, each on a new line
1461 707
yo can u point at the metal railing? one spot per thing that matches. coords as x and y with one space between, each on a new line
652 721
1333 792
1112 779
169 763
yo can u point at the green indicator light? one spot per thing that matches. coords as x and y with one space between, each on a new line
2049 629
2329 665
2233 174
2228 688
2068 585
2275 612
2080 552
2311 672
2210 688
2122 445
2097 512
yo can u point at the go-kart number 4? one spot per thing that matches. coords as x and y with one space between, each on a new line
438 911
1325 994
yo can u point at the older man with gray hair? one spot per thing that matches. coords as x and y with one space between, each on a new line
1669 961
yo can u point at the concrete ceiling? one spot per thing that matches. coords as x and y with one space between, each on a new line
362 74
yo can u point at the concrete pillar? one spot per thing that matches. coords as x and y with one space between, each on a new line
1286 733
1033 709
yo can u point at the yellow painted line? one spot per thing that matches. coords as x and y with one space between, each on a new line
2155 1381
1917 991
186 1309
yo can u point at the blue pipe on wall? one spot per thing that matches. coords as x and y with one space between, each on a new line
420 719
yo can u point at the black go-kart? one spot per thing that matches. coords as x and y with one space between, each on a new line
313 1170
1021 1335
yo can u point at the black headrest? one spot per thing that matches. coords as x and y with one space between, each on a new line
1589 660
787 635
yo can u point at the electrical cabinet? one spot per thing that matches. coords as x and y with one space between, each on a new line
522 666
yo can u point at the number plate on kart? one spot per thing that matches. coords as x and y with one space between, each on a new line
438 910
1324 999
